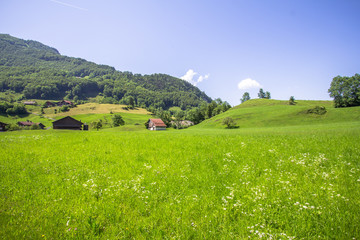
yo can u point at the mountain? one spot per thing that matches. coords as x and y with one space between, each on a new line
40 72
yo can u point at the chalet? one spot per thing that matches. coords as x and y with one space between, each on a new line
29 124
26 123
64 102
49 104
68 123
30 103
3 126
156 124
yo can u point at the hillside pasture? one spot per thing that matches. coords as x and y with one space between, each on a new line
87 113
95 108
275 113
293 182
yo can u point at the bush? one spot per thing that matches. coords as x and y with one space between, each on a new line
64 108
13 127
319 110
14 109
229 122
292 100
118 120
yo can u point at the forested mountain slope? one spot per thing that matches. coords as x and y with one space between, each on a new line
41 72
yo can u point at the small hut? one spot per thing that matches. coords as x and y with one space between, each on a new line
29 103
30 123
68 123
156 124
64 103
25 123
49 104
3 126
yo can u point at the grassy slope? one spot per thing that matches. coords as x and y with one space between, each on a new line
87 113
274 113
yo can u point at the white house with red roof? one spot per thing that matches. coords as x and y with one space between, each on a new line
156 124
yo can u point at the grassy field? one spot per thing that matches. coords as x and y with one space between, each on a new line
275 113
87 113
291 182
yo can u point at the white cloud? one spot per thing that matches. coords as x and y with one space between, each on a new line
189 77
248 83
202 78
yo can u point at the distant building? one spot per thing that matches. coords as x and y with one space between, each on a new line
64 102
67 123
49 104
29 124
3 126
30 103
26 123
156 124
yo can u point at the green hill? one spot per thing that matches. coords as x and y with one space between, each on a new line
87 113
40 72
274 113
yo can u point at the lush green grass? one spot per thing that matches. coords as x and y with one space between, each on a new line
31 117
272 113
87 113
132 121
298 182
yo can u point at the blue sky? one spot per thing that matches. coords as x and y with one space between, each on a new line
289 48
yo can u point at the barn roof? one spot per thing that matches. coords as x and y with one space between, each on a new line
157 122
26 123
30 103
68 120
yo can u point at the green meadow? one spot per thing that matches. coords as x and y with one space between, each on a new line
277 113
290 181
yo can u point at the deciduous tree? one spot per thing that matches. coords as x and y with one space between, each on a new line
245 97
345 91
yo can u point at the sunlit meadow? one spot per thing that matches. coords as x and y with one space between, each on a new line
272 183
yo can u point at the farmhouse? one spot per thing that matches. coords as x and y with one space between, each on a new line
64 102
3 126
30 103
49 104
29 124
156 124
67 123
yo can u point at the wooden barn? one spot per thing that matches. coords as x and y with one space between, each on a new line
25 123
64 102
49 104
156 124
29 103
68 123
3 126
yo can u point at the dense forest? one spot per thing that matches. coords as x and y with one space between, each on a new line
41 72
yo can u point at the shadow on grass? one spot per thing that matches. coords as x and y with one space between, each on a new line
232 127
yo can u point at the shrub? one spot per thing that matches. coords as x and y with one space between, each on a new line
292 100
229 122
319 110
118 120
64 108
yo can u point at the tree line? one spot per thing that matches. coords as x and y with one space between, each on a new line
195 114
261 94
